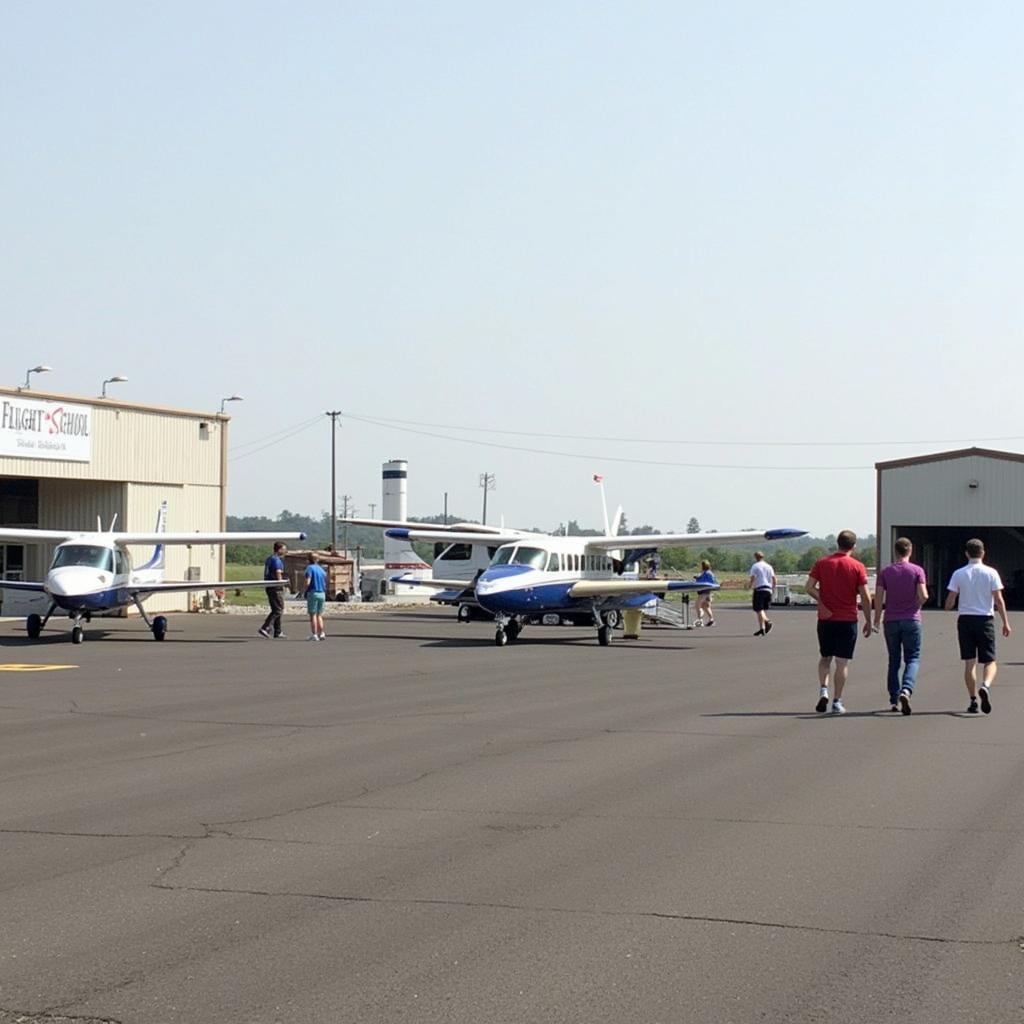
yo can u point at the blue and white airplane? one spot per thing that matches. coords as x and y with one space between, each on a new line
534 574
92 573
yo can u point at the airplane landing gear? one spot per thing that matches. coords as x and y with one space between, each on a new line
77 634
159 627
500 637
34 624
513 629
604 635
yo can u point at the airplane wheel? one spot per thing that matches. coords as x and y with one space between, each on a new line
33 626
604 636
500 638
159 627
513 629
464 614
612 618
77 634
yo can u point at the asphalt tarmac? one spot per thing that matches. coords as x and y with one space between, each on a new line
408 824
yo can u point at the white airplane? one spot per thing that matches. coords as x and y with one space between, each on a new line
533 574
93 573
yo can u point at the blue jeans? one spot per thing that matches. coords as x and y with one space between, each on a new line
903 638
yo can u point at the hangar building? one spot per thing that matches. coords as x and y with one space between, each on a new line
65 460
940 501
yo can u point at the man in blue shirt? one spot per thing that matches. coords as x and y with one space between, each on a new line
316 594
273 569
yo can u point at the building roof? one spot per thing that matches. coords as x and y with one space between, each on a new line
108 403
960 453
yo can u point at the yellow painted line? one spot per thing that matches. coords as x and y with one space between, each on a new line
15 667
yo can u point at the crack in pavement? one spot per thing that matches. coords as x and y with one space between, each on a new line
658 915
134 759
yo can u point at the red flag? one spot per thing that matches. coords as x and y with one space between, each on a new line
598 479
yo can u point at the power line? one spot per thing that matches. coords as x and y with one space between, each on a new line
598 458
267 437
294 433
379 421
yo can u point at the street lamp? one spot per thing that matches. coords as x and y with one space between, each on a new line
35 369
112 380
232 398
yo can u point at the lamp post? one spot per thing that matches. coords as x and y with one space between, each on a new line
112 380
35 369
232 398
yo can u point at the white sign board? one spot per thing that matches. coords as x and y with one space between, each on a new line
34 429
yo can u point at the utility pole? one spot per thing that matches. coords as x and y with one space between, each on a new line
334 488
373 510
487 484
445 508
345 499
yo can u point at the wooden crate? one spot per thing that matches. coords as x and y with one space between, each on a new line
340 573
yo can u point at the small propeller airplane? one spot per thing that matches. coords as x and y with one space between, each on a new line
92 573
533 574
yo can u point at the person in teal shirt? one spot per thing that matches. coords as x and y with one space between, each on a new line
316 594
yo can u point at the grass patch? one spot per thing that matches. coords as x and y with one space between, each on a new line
240 571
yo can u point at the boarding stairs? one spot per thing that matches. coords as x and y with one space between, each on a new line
668 613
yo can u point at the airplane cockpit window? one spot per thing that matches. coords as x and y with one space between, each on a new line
533 557
89 555
503 556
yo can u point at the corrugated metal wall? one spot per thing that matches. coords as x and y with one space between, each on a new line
188 509
147 446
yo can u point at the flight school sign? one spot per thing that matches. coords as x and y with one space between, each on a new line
35 429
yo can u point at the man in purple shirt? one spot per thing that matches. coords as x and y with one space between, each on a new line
901 590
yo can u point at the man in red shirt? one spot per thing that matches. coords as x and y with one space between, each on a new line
835 582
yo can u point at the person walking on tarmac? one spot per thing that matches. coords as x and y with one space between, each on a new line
704 596
762 584
273 569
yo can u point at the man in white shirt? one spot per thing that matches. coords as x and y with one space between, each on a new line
980 590
762 582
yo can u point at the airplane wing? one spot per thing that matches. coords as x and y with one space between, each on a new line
399 524
203 538
686 540
427 533
27 536
175 585
32 588
615 588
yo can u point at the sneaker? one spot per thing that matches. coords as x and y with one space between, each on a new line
905 702
972 708
767 628
822 704
264 632
711 622
280 636
894 707
986 703
760 632
837 707
313 637
321 636
698 624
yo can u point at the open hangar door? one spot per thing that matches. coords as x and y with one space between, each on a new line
940 549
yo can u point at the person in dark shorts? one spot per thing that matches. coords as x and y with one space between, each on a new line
273 569
836 582
980 591
762 585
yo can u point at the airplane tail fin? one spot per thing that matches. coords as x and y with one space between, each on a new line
156 561
616 522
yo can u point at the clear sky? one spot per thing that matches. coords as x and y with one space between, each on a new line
676 223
